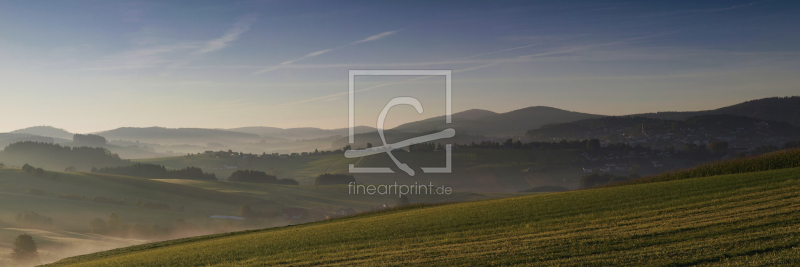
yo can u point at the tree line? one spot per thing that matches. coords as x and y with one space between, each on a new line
154 171
57 157
249 176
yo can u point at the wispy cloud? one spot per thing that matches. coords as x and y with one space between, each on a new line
374 37
320 52
487 63
231 35
149 54
697 12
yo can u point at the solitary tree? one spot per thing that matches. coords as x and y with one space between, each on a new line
369 145
25 250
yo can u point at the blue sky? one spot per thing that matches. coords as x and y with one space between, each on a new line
95 65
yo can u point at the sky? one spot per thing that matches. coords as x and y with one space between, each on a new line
89 66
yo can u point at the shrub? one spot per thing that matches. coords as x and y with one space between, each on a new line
27 168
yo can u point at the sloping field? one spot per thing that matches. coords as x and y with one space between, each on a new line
309 196
743 219
74 215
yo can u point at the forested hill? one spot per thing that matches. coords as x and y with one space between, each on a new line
56 157
626 127
782 109
489 123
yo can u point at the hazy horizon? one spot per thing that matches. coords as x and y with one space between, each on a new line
336 128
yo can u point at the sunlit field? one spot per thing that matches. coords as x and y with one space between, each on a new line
745 219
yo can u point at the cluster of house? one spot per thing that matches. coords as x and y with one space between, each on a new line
739 138
607 168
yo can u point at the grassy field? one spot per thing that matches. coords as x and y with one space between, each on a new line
200 200
56 245
742 219
198 203
337 196
69 234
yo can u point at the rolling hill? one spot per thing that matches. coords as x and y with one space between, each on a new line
69 234
10 138
781 109
742 219
484 122
47 131
300 133
167 136
613 126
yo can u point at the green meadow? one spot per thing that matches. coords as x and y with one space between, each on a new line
740 219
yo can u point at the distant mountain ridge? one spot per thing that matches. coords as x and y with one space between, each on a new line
161 135
471 122
780 109
484 122
47 131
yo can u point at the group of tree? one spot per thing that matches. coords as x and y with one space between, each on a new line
154 171
334 178
250 176
31 219
426 147
57 157
39 172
